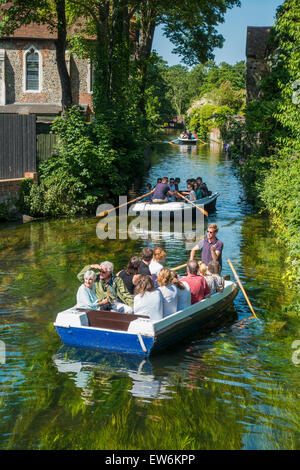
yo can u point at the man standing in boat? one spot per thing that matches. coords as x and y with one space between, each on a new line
211 246
162 191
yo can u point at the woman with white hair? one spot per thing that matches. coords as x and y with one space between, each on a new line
86 294
110 289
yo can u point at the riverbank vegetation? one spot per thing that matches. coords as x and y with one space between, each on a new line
266 147
94 161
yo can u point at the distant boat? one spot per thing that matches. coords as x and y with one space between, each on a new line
137 334
188 141
173 207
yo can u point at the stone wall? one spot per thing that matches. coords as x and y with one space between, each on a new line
10 188
257 50
12 90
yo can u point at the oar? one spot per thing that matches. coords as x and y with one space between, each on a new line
178 267
199 208
102 214
242 289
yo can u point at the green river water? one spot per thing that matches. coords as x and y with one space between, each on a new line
236 387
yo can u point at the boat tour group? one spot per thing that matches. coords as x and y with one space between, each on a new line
165 191
188 137
146 305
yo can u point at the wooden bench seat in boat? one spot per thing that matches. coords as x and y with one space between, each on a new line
110 320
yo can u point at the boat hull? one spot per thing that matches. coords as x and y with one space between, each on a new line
104 340
188 141
136 335
172 208
179 330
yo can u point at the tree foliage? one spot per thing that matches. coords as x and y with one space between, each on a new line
268 145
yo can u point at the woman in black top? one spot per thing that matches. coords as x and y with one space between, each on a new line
128 274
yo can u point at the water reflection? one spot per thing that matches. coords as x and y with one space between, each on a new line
82 365
232 387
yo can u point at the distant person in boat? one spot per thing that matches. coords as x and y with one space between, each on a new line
211 246
177 182
130 274
198 191
86 294
214 269
190 192
211 281
147 300
109 288
147 255
173 190
162 191
149 197
202 186
183 135
159 256
168 291
183 292
198 285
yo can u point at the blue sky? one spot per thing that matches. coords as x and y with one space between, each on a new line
251 13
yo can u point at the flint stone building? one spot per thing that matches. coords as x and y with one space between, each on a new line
257 51
29 79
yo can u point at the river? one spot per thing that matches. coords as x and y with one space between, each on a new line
236 387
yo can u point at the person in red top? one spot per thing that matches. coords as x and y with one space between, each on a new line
198 285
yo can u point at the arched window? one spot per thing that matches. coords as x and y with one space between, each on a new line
32 70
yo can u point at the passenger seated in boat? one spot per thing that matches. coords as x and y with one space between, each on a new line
214 268
189 134
109 287
183 135
130 274
147 255
155 266
202 186
162 191
177 182
173 189
149 197
168 291
190 192
211 281
147 300
86 295
183 292
198 285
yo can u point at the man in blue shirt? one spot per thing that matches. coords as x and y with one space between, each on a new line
211 246
162 190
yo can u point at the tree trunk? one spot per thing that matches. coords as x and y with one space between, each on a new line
66 98
143 52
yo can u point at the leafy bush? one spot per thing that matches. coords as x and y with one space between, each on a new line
85 172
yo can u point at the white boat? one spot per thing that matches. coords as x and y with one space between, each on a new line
208 203
188 141
136 334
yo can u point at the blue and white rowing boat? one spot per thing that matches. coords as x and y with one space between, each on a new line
135 334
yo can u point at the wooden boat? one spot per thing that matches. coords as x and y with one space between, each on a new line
188 141
136 334
208 203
